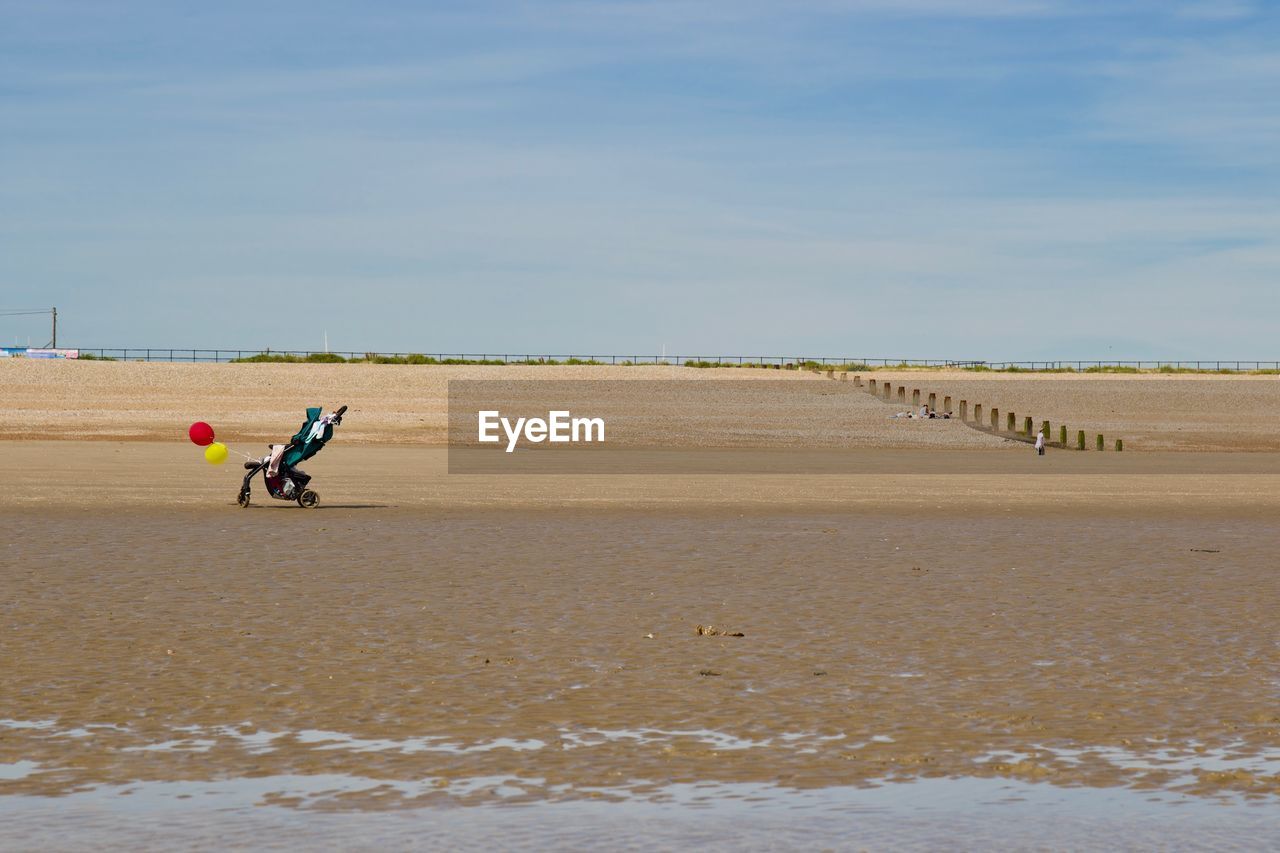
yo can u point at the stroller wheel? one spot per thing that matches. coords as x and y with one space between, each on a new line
243 499
308 498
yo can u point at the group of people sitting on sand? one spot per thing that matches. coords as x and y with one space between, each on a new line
925 413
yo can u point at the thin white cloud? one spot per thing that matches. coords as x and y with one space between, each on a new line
950 8
1216 10
1217 98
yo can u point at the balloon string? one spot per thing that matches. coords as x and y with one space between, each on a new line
247 457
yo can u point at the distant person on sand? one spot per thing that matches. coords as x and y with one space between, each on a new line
1040 443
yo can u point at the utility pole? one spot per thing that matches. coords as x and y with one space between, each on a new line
55 328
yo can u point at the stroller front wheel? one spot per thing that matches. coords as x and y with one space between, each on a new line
243 499
308 499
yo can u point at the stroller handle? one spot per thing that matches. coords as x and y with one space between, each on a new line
341 411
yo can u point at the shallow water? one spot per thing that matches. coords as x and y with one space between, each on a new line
289 812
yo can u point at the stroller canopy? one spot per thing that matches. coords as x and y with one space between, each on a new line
310 438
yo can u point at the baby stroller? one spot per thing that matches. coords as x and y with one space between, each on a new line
285 482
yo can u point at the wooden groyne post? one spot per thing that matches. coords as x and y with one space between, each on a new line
1010 420
1026 427
977 413
933 402
1102 445
946 404
964 410
1080 440
995 418
915 398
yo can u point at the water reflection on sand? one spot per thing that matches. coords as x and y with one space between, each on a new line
513 812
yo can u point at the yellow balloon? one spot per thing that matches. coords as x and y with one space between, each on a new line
216 453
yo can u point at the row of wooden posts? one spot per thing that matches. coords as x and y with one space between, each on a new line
1011 421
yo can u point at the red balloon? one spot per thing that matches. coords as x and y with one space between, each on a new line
201 433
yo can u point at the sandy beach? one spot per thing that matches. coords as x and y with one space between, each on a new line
939 611
407 404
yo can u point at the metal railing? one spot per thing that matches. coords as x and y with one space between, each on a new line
226 355
1202 366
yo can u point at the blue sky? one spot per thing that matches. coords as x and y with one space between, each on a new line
900 178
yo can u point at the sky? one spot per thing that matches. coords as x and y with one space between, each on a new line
979 179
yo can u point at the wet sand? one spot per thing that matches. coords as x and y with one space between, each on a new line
894 625
108 476
392 643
